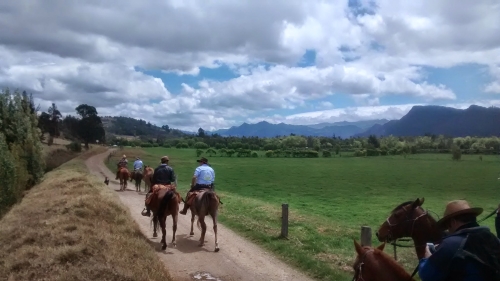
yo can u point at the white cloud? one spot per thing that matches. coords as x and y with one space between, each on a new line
88 54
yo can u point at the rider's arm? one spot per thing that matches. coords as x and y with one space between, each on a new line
436 267
196 174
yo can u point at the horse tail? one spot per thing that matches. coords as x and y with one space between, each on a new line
164 202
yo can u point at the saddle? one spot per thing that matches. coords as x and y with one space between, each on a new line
192 195
155 190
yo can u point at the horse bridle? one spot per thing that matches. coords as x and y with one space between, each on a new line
408 219
358 274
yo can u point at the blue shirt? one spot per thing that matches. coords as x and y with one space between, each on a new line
204 174
138 164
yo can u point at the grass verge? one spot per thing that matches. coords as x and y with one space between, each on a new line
70 227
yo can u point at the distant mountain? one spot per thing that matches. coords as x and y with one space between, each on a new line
265 129
439 120
362 124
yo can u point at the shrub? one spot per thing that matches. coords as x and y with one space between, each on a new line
255 155
327 153
74 146
456 152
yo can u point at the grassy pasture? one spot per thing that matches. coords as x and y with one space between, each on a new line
331 198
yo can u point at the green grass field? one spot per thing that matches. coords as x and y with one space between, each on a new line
331 198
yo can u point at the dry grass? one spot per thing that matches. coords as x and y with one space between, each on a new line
71 227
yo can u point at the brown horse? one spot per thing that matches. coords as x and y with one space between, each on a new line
123 175
148 176
409 219
137 176
205 203
372 264
166 205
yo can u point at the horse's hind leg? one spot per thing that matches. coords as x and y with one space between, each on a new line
203 230
163 222
192 222
155 226
175 216
214 219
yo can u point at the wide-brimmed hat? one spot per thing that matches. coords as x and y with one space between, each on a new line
124 156
202 160
164 159
455 208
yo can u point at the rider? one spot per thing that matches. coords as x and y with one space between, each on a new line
137 165
203 178
163 174
469 252
122 163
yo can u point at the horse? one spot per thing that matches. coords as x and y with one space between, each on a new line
205 203
137 176
166 205
372 264
123 175
409 219
148 177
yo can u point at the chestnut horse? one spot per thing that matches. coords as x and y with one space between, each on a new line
123 175
372 264
168 205
205 203
409 219
147 177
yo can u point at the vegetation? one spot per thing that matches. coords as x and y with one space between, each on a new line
77 228
21 156
332 198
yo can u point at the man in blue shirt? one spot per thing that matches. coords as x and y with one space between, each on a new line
469 252
137 166
203 178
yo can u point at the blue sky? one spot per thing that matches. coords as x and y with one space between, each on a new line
221 63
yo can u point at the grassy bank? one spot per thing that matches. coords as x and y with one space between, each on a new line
71 227
331 198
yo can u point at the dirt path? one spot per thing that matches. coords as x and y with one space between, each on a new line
238 258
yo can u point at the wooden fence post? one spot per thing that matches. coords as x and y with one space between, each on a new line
284 220
366 236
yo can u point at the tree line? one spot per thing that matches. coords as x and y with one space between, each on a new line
284 146
21 156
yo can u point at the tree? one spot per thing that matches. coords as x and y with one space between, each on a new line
55 117
90 126
201 133
199 152
373 141
456 152
211 152
337 149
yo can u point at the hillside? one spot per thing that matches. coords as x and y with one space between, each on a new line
439 120
266 129
127 126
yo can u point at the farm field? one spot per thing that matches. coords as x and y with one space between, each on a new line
330 198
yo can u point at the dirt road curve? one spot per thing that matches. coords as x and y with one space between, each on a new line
238 258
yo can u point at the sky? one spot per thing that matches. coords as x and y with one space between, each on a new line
218 63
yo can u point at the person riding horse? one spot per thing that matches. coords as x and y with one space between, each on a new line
163 177
122 163
469 252
137 166
203 179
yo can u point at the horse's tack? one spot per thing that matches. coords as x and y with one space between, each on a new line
360 267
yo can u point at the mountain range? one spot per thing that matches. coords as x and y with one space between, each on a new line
420 120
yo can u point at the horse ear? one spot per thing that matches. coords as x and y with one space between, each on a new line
358 247
417 203
381 247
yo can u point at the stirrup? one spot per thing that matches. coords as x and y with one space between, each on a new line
145 213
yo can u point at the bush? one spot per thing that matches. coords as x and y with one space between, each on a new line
74 146
200 145
255 155
327 153
360 153
456 152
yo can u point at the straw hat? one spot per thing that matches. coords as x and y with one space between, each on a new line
455 208
164 159
124 156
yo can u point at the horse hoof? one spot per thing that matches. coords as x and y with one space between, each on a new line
163 247
155 235
216 249
192 233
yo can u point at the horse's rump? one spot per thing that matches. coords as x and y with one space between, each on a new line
164 196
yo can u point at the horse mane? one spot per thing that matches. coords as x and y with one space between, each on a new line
400 206
391 262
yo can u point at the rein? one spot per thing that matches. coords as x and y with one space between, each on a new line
359 273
